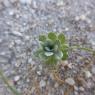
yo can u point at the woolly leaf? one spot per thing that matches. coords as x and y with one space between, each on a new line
61 37
52 36
49 53
65 56
64 47
59 55
42 38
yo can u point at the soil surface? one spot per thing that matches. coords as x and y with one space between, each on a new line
22 21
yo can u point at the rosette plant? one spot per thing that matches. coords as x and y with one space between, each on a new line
53 48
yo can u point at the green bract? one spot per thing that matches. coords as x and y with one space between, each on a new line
52 48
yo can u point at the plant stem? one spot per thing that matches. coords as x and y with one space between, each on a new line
82 48
7 83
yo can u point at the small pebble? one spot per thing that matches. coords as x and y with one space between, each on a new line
83 17
30 61
34 4
70 81
11 13
93 78
16 79
17 33
40 67
39 73
66 29
28 80
93 70
77 18
81 88
6 3
89 85
42 83
56 85
13 1
76 88
1 40
87 74
25 1
60 3
76 93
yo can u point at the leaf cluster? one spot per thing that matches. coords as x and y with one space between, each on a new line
53 48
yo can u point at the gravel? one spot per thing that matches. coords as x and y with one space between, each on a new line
22 21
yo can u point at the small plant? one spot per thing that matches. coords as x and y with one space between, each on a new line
53 48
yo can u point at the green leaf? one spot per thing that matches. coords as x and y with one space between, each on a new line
13 89
59 55
61 37
52 36
49 53
64 47
57 42
65 55
38 52
42 38
42 55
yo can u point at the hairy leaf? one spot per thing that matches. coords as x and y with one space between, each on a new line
42 38
65 55
52 36
59 55
49 53
61 37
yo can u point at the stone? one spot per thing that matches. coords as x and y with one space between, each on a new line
17 33
81 88
56 85
76 93
70 65
18 63
93 78
83 17
87 74
34 4
60 3
13 1
70 81
33 89
11 12
42 83
66 29
11 44
89 85
28 80
88 21
16 79
25 2
1 40
3 60
30 61
93 69
75 88
39 73
77 18
6 3
40 67
1 6
92 41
